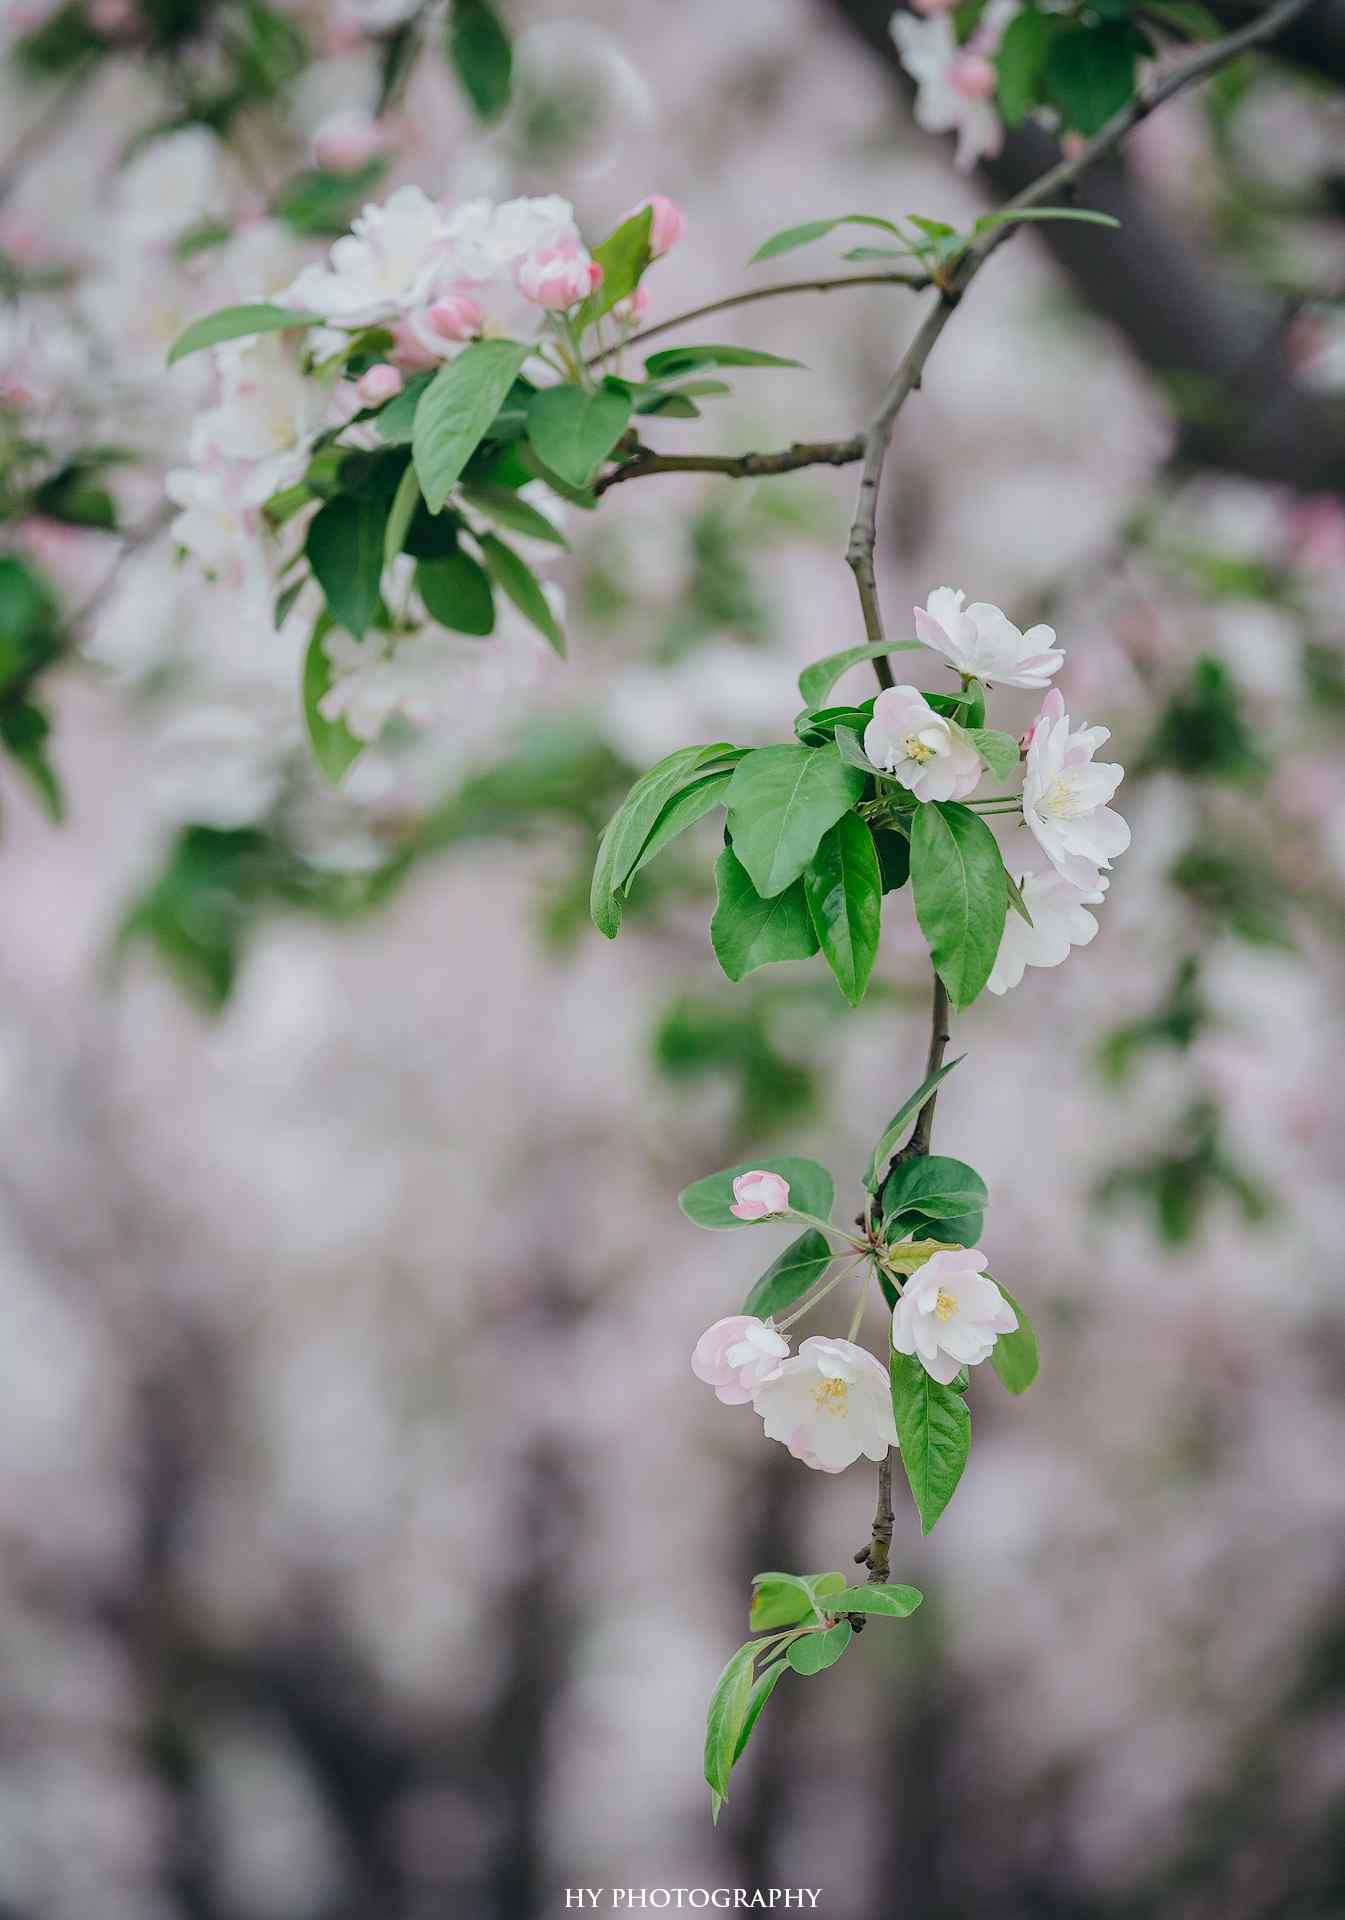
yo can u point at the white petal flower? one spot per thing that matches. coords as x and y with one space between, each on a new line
1065 795
267 414
955 85
907 739
385 266
951 1313
1060 921
735 1356
983 641
829 1405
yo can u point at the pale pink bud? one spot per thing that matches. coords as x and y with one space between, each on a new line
757 1194
380 383
456 317
735 1355
558 277
973 76
632 310
409 352
667 225
1052 708
347 141
1316 533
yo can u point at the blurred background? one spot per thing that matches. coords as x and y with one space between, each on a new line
367 1550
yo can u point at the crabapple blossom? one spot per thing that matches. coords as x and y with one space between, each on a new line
384 266
667 224
1065 795
983 642
907 739
631 310
558 277
955 85
217 523
455 316
828 1405
377 384
757 1194
267 413
736 1355
348 140
1060 921
950 1314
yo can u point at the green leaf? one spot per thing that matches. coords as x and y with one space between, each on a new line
707 1201
345 551
400 515
236 323
816 681
894 856
895 1602
960 895
934 1429
935 1187
1020 64
631 825
789 1277
574 430
781 801
790 237
960 1230
503 506
896 1126
725 1718
746 931
817 1651
682 811
783 1599
1016 900
850 746
522 586
762 1690
999 751
843 886
457 593
25 730
671 362
455 410
1014 1355
395 422
623 257
1090 74
482 56
335 747
1010 216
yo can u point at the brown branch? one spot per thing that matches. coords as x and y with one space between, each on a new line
736 466
916 281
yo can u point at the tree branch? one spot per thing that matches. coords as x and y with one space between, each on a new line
736 466
916 281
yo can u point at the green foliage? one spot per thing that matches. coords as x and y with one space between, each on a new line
746 931
321 203
935 1188
481 54
345 551
813 1652
725 1718
1181 1181
788 1278
1203 732
1014 1355
574 429
1089 72
633 822
334 746
999 751
669 363
237 323
30 641
1174 1024
901 1119
503 506
741 1038
784 1599
811 1190
456 410
960 896
843 888
934 1429
781 801
457 593
682 811
623 257
1238 891
520 584
802 236
892 1602
816 681
1020 64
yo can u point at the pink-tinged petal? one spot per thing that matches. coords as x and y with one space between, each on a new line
930 633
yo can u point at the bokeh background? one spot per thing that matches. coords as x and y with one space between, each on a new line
367 1550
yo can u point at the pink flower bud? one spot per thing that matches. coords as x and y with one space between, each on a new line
409 352
1052 708
347 141
632 310
456 317
380 383
558 277
666 227
973 76
757 1194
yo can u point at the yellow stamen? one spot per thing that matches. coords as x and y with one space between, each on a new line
832 1396
946 1304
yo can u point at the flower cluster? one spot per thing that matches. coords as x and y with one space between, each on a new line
831 1403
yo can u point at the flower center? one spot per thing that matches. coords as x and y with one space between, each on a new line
946 1305
832 1396
1063 800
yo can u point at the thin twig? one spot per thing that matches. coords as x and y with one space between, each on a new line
916 281
737 466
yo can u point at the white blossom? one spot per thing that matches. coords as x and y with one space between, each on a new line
735 1356
981 640
1060 921
917 746
1065 795
267 413
955 84
386 265
829 1405
950 1314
